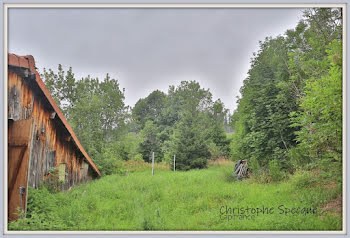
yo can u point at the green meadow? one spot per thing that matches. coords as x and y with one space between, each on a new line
192 200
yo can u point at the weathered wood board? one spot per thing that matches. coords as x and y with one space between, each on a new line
18 156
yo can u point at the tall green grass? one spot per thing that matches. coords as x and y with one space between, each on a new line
179 201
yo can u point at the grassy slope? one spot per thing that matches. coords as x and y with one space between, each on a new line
183 201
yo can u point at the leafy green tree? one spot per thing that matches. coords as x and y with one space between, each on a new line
206 116
307 44
187 96
320 117
262 118
96 112
128 146
288 76
164 111
86 123
214 130
56 83
188 143
150 142
315 40
113 109
149 108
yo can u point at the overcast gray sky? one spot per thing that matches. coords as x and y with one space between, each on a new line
149 49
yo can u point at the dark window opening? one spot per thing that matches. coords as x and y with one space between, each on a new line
50 162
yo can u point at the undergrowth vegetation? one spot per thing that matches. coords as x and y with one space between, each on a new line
192 200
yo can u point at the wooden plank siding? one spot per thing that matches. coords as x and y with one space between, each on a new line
47 144
18 158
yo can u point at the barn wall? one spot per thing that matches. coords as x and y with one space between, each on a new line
50 138
18 157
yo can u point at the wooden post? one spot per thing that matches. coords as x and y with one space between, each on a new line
152 163
174 162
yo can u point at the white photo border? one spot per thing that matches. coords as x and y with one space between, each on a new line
8 5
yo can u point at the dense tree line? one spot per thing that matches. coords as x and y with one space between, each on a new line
289 115
184 122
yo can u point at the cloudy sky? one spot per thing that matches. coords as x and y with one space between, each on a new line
148 49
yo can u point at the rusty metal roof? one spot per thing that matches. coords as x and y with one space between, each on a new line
29 63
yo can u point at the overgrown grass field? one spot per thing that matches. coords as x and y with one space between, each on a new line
193 200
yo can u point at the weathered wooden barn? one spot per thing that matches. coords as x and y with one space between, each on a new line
41 144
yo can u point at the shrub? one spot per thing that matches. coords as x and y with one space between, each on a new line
214 150
298 157
198 163
260 176
52 182
41 215
138 157
275 171
229 175
302 179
